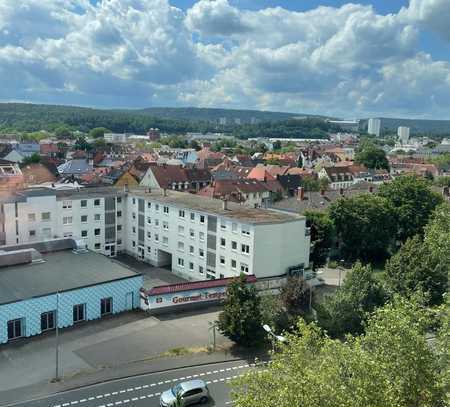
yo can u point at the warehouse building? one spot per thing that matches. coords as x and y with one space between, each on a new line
60 282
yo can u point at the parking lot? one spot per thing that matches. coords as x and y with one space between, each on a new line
153 276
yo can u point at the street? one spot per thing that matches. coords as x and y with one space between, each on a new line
145 390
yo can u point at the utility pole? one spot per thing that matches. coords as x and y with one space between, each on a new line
57 338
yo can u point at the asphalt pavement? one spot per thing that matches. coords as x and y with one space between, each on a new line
144 390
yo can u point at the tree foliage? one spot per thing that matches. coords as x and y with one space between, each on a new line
241 318
391 365
322 232
365 225
295 296
63 132
413 201
98 132
32 159
372 157
347 311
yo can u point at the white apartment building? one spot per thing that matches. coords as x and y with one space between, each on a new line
403 135
197 237
374 127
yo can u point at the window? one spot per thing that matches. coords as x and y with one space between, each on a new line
222 261
97 232
156 222
181 246
96 202
119 228
181 230
133 215
149 220
79 312
201 236
245 248
165 240
222 276
119 199
234 227
84 233
201 253
180 262
181 213
67 234
191 249
166 210
97 217
31 217
133 243
32 233
119 214
67 220
233 245
166 225
192 216
233 264
223 225
134 201
83 203
149 235
67 205
119 241
192 233
84 218
156 207
200 269
156 237
244 268
202 218
47 320
245 230
191 266
222 242
134 229
149 250
45 216
97 246
106 306
14 328
149 205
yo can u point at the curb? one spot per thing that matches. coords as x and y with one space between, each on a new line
99 382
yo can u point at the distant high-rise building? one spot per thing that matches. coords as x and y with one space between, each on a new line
223 121
403 134
237 121
374 127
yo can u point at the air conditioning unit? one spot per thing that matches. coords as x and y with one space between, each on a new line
296 271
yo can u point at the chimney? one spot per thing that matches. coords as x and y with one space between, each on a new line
225 204
300 193
341 191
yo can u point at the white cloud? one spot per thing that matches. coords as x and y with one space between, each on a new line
346 61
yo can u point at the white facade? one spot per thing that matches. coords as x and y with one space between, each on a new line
115 138
403 135
374 127
166 231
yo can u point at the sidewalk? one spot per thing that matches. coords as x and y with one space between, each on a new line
126 344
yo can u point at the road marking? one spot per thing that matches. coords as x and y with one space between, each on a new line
145 386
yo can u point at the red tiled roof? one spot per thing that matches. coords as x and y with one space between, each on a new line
196 285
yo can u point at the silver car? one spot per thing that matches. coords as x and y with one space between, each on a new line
191 392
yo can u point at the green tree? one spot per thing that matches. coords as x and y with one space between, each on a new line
443 181
82 144
310 184
365 226
413 201
347 311
241 318
32 159
63 132
372 157
194 144
98 132
414 268
391 365
322 233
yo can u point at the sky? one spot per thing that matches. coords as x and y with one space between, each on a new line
367 58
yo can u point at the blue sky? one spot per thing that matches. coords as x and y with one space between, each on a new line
360 59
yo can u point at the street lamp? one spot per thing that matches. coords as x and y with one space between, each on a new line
57 378
279 338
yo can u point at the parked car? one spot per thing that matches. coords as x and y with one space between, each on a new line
191 392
